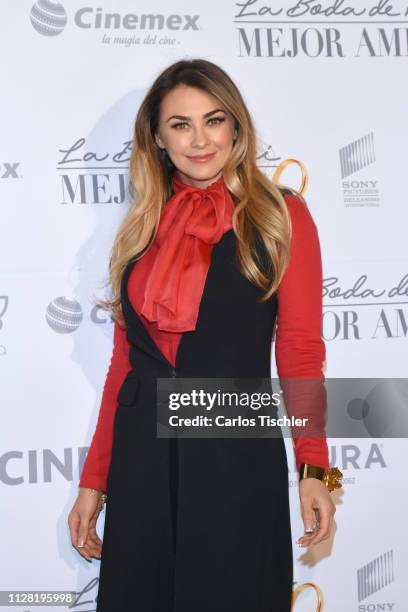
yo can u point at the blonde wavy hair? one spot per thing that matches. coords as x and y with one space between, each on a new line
260 209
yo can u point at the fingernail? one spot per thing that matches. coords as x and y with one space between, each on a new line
81 543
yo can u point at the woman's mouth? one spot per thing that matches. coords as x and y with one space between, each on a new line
201 158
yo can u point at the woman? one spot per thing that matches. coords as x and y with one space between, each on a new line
209 254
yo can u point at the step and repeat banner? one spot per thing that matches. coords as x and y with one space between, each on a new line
325 83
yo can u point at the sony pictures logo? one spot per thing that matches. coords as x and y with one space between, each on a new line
360 188
373 577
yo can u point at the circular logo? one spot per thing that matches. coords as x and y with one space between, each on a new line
48 18
64 315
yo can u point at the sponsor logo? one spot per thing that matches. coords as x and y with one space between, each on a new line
41 465
317 29
89 17
387 317
93 177
37 466
64 315
351 457
374 576
358 191
357 155
50 18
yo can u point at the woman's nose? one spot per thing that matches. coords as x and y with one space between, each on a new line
200 137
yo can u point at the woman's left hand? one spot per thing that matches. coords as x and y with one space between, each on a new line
317 509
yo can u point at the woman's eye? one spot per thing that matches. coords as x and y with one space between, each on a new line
219 119
183 123
177 125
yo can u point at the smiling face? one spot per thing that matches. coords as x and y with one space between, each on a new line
197 132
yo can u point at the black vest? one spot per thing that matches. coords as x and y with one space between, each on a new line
201 523
234 330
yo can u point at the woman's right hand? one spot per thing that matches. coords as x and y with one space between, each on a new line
82 523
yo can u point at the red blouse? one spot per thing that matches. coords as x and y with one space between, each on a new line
299 347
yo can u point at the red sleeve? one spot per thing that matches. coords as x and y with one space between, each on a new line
95 470
299 346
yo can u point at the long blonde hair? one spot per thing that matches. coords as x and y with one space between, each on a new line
260 208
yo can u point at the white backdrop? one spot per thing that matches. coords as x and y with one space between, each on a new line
326 86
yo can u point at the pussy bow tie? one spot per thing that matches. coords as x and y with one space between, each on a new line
193 220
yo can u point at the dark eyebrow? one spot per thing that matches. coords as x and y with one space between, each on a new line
187 118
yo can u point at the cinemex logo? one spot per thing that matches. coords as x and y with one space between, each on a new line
355 157
49 19
373 577
64 315
18 467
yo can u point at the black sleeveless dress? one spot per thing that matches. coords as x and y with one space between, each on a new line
198 524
